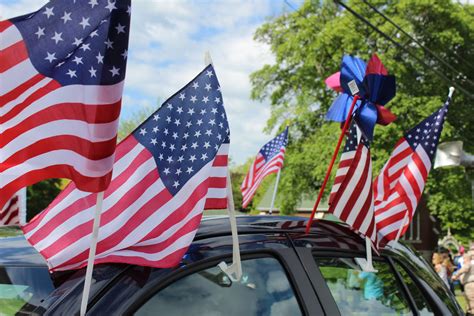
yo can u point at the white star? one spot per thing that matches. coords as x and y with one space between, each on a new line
208 87
204 156
40 32
168 119
203 111
85 47
189 170
160 157
221 125
188 124
193 99
84 22
172 147
209 73
153 141
109 43
50 57
93 3
179 110
71 73
77 60
214 111
93 72
175 135
166 171
212 122
191 111
197 134
186 135
129 10
170 106
57 37
219 136
217 100
66 17
120 28
156 117
100 59
205 99
169 159
216 147
142 131
195 85
115 71
194 145
182 96
48 12
77 41
163 144
207 145
208 132
177 122
178 171
166 131
94 34
184 147
110 6
176 184
125 54
199 122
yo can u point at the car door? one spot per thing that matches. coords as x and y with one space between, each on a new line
273 283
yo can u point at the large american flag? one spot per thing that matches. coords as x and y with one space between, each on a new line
269 160
166 173
351 195
61 76
398 187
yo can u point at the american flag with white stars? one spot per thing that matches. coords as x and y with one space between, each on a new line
62 71
166 172
400 184
269 160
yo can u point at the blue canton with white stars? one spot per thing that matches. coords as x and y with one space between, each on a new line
427 133
185 133
351 139
78 41
272 148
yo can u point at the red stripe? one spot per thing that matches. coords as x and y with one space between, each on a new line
395 217
4 25
12 56
86 202
220 161
93 151
19 90
422 168
389 206
215 204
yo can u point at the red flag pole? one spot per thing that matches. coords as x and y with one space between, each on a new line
331 164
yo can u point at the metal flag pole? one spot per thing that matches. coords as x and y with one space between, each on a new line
275 192
90 260
234 271
369 267
334 156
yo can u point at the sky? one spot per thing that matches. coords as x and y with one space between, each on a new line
168 40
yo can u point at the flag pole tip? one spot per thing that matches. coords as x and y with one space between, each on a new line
207 58
451 91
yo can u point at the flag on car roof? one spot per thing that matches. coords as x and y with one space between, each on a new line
269 160
351 195
61 78
165 174
398 187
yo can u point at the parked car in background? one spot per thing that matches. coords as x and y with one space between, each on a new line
285 272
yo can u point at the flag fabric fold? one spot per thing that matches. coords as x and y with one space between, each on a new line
351 198
399 186
165 174
269 160
61 80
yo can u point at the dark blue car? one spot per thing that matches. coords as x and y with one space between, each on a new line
285 272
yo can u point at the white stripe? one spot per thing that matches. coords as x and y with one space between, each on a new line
88 95
348 155
67 200
84 166
215 193
362 198
342 171
346 195
406 185
390 198
86 213
380 183
16 75
401 147
424 157
335 187
395 226
90 132
399 165
413 169
10 105
397 208
9 36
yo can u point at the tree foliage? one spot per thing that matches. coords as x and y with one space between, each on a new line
308 45
39 195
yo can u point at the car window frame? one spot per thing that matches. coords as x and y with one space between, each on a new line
305 296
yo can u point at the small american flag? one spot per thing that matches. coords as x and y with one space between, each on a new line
61 77
269 160
10 214
166 173
351 195
399 186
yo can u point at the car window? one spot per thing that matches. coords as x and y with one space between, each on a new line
263 290
22 288
363 293
420 301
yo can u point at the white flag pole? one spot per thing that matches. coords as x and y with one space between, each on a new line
234 271
405 218
275 192
90 260
22 206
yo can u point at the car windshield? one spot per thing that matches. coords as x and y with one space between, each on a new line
22 288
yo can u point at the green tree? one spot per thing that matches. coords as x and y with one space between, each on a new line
39 195
308 45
